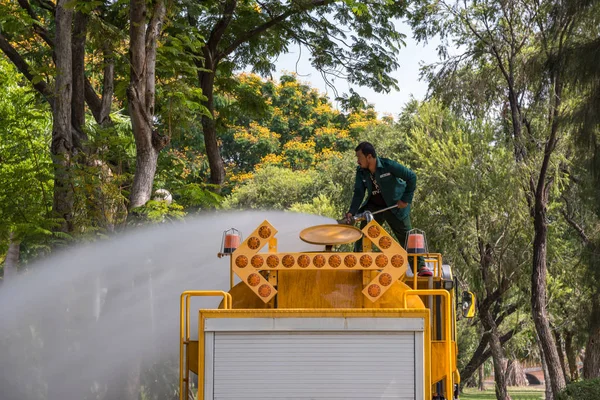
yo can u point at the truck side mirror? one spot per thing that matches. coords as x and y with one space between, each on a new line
468 304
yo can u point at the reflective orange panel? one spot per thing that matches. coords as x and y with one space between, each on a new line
254 243
241 261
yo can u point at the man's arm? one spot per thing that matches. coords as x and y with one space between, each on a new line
408 176
359 193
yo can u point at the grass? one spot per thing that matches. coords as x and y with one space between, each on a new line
515 394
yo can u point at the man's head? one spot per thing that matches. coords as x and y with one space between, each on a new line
366 156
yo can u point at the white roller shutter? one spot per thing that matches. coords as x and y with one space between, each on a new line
372 359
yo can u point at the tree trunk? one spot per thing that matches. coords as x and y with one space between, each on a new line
146 161
209 129
548 391
108 86
538 293
591 363
481 385
561 354
571 357
497 355
80 22
62 140
515 375
141 94
481 355
476 361
11 262
520 152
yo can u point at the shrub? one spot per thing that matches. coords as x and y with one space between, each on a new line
583 390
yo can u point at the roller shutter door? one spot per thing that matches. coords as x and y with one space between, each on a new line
314 365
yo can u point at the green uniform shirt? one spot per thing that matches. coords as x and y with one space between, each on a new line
395 180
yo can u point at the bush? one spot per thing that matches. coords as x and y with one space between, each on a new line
275 188
583 390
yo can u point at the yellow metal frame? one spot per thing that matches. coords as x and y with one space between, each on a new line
447 329
317 313
184 331
246 262
435 258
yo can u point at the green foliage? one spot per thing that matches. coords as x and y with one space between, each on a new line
157 212
289 125
583 390
180 100
275 188
320 205
249 145
467 341
26 177
262 120
195 197
468 188
299 155
160 381
366 58
102 176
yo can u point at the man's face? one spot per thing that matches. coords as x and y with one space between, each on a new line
362 160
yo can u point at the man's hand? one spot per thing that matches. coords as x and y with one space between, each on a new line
348 218
402 204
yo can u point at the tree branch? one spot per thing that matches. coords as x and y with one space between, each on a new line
261 28
481 353
576 226
23 67
37 28
46 5
156 20
91 97
503 339
509 311
218 30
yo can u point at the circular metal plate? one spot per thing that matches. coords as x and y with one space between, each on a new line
330 234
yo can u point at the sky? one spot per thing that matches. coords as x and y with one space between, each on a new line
410 58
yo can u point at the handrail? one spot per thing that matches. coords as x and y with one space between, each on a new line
184 328
436 258
447 327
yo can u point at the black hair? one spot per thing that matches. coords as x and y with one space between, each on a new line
366 148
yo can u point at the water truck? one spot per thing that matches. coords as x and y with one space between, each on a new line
328 324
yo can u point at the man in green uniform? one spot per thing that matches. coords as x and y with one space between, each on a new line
386 183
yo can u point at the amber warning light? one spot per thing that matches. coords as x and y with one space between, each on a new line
231 241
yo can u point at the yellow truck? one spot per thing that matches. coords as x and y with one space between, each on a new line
324 325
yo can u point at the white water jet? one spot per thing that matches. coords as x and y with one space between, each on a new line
78 320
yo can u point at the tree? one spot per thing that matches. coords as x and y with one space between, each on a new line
465 214
253 33
583 78
145 27
64 47
518 40
285 123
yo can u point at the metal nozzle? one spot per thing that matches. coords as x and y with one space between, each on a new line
364 216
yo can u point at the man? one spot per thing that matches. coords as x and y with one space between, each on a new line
386 183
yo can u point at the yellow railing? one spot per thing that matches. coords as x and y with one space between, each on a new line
447 328
184 331
436 258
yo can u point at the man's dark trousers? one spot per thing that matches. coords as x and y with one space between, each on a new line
400 227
